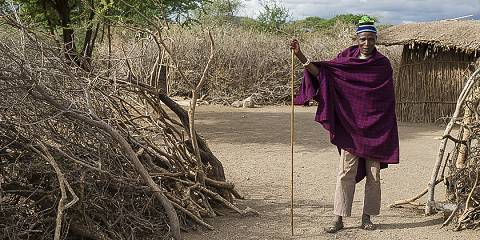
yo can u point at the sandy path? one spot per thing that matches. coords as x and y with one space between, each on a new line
254 146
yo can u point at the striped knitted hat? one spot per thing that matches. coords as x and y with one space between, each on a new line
365 24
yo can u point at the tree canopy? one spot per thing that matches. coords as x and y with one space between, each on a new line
318 23
79 21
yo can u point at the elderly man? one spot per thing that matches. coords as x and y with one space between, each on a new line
356 104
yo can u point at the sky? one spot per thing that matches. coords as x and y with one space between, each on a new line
387 11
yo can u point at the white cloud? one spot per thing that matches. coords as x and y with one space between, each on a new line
251 8
388 11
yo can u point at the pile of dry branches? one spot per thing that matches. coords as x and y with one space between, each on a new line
463 164
98 154
460 168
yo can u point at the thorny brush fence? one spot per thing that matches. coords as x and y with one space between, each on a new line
96 154
251 63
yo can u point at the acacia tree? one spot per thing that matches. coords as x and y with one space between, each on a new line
218 11
273 15
78 22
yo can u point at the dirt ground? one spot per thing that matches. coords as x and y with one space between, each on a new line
254 146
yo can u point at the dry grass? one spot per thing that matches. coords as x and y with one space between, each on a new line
246 63
252 63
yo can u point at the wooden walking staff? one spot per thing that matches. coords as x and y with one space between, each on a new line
292 134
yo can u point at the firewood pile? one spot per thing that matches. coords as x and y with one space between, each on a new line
463 164
458 163
86 154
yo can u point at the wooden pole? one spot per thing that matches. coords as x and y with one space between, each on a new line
292 134
430 205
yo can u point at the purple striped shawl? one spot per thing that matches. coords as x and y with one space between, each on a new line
356 104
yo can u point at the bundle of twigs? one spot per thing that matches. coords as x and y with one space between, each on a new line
460 169
464 167
97 155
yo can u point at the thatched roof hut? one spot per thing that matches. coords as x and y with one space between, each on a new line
434 65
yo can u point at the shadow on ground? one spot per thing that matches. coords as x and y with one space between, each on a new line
409 225
240 127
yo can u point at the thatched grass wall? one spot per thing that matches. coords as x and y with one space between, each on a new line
429 82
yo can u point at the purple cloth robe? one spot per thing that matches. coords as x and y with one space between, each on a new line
356 104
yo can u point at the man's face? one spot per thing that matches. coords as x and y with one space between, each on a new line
366 42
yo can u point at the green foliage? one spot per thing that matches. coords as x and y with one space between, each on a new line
309 24
136 11
365 20
319 24
250 23
273 15
133 11
352 18
78 21
219 11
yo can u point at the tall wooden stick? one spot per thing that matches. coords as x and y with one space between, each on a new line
200 174
292 138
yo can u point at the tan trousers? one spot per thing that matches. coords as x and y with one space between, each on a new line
345 188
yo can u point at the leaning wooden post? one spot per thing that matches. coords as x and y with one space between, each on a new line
292 138
429 206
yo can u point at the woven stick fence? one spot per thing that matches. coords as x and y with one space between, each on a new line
429 82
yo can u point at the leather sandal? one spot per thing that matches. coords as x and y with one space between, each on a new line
334 228
368 225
